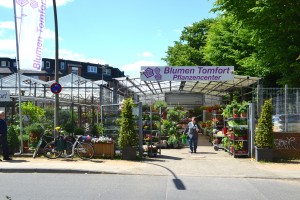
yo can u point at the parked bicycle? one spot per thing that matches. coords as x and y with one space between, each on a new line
83 148
45 138
64 148
61 147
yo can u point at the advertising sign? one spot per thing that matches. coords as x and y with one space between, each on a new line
31 19
187 73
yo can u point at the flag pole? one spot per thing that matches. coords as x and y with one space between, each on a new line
19 79
56 110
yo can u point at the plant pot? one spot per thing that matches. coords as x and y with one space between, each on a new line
263 154
129 153
243 115
104 149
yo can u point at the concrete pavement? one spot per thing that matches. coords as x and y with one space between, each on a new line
172 162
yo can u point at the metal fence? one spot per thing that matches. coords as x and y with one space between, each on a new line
286 107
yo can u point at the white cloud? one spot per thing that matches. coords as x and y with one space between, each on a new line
6 3
9 3
145 54
69 55
59 2
133 69
7 25
7 45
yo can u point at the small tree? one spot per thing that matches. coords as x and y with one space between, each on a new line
12 139
264 136
127 135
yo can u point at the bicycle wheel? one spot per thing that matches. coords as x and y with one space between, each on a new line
85 151
50 151
69 146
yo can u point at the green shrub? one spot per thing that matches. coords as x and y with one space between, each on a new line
264 136
127 136
79 131
12 139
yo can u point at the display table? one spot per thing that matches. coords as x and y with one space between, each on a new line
104 149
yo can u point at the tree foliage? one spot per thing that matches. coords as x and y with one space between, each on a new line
34 112
275 32
188 51
260 38
127 136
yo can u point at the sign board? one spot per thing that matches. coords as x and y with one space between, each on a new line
184 99
187 73
55 88
4 95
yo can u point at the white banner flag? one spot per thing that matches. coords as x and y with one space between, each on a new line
187 73
30 18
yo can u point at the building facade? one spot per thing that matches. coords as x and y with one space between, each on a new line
86 70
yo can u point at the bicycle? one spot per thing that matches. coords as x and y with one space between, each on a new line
44 139
83 148
61 147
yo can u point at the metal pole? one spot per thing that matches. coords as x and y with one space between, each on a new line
285 109
19 80
56 110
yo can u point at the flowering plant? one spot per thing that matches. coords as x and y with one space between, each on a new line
102 139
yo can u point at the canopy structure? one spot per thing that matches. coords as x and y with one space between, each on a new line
75 89
157 89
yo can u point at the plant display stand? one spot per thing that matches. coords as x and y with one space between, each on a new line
237 137
104 149
151 131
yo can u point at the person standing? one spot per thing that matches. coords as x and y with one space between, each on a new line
193 129
3 136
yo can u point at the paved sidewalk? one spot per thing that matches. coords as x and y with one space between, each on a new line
174 162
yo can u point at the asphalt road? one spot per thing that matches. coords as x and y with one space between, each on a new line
43 186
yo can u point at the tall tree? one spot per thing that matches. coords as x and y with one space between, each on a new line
188 51
229 43
276 34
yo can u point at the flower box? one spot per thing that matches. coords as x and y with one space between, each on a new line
104 149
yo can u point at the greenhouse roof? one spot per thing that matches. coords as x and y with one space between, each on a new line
206 87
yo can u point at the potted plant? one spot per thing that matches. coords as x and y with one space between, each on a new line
159 104
264 136
128 139
243 109
34 132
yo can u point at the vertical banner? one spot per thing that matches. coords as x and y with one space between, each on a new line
30 17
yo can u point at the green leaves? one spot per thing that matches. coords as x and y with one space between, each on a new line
127 136
264 136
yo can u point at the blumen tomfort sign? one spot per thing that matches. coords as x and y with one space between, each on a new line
194 73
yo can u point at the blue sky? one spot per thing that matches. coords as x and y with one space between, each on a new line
126 34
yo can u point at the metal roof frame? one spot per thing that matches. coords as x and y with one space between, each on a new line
213 88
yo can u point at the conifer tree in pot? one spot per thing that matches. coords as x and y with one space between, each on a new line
128 138
264 136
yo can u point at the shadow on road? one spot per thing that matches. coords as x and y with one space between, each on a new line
177 182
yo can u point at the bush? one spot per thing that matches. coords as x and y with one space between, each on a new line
264 136
12 139
79 131
127 135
